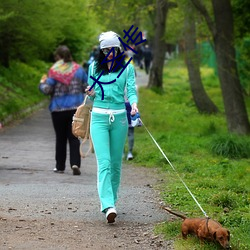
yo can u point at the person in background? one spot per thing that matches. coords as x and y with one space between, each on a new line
130 133
109 125
65 83
128 109
147 54
139 55
93 55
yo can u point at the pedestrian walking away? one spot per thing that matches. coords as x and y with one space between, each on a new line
147 54
65 83
109 124
131 129
130 133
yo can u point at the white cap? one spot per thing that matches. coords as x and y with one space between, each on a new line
109 39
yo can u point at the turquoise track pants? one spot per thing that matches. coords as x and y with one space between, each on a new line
108 136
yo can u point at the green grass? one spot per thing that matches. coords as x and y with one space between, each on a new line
214 164
19 88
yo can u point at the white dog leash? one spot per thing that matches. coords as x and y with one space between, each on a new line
174 170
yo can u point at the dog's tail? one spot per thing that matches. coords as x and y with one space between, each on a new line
175 213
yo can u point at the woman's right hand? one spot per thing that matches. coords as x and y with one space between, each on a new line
91 92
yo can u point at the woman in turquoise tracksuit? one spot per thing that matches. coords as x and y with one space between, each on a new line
109 123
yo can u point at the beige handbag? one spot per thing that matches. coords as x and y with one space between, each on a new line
81 126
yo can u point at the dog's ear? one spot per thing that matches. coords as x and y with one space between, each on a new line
228 237
214 235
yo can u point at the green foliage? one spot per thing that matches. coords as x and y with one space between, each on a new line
242 35
116 22
170 230
176 18
122 14
241 17
243 59
29 33
231 146
19 87
224 200
175 25
219 183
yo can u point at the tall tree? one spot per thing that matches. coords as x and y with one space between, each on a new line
201 99
159 44
223 38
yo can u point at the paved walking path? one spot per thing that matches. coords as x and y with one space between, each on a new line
26 163
31 191
141 78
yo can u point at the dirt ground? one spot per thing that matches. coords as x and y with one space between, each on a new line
40 209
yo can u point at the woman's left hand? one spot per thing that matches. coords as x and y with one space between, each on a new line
134 109
43 79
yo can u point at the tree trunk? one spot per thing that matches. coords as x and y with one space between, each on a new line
159 47
235 109
223 38
201 99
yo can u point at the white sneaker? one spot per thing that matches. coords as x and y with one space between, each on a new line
111 214
58 171
130 156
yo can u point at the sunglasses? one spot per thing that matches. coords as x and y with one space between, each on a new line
106 51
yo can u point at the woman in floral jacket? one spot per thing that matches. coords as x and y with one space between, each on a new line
65 84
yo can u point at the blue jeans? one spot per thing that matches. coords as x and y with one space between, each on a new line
108 139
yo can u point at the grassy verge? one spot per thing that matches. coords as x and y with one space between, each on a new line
212 163
19 88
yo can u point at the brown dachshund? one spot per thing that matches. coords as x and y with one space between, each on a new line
204 229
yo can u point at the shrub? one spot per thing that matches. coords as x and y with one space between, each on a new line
231 146
223 200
